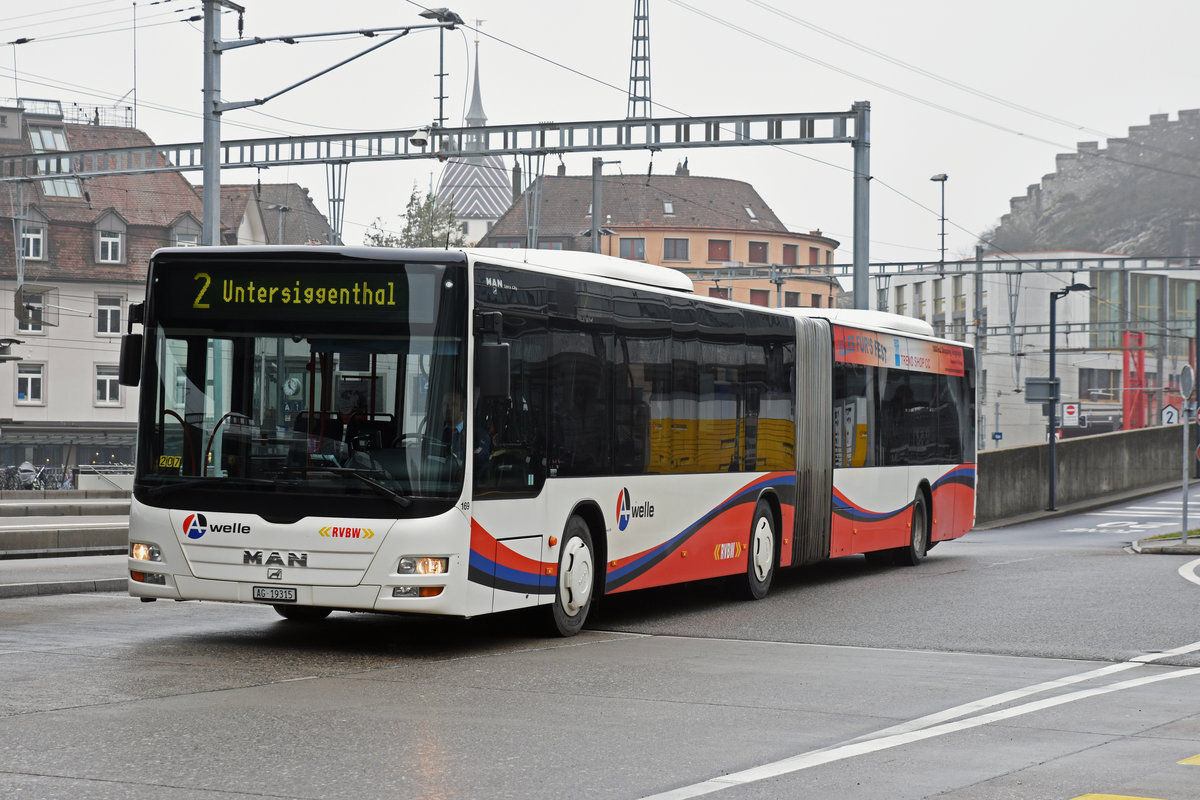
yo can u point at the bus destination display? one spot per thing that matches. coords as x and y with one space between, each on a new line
225 292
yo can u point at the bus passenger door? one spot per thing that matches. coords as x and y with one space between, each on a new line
508 540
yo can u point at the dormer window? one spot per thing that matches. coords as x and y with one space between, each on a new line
185 232
33 237
110 240
33 242
109 247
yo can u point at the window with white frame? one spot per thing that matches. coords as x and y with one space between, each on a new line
108 314
31 379
108 247
35 308
33 241
108 388
193 240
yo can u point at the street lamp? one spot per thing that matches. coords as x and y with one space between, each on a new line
941 178
1055 296
282 209
448 19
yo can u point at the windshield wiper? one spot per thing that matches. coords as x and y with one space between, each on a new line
395 497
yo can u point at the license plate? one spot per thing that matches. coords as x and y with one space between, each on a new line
275 594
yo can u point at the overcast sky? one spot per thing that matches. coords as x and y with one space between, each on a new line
987 93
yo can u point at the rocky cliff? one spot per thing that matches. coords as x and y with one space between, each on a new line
1137 196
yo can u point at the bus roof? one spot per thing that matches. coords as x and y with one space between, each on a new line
594 264
862 318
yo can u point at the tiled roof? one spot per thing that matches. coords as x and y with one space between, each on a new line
478 186
302 224
148 204
640 201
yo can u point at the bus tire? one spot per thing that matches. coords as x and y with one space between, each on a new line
918 540
575 582
301 613
760 556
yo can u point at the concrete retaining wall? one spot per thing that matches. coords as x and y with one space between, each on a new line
1015 480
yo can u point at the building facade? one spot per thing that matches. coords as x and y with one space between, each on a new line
1094 357
718 230
73 257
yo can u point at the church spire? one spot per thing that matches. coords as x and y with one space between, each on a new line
475 116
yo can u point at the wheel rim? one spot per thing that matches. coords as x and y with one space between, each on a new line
575 578
762 550
918 528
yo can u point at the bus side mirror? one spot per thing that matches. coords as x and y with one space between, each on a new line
492 369
129 371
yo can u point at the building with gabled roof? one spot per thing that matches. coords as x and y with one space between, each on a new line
266 213
692 223
73 258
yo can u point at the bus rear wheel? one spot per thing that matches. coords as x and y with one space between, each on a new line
301 613
760 566
575 582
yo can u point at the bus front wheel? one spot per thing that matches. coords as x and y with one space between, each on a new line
760 567
918 539
576 579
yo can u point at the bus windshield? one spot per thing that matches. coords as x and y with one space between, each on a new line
276 409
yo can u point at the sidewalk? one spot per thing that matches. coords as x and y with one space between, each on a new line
22 577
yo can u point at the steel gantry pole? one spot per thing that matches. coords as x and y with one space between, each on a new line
862 202
210 229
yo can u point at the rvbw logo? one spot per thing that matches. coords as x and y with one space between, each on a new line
627 511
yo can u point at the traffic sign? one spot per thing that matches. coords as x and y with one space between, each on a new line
1170 415
1070 415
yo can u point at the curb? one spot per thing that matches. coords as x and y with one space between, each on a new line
1167 547
62 587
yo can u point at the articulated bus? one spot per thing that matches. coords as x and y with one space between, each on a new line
462 432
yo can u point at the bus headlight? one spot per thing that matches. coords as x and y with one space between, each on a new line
423 565
140 551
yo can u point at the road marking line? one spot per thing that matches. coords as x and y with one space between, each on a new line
1194 761
1110 797
934 725
976 706
1188 571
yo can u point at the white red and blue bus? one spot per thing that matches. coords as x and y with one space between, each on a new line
462 432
